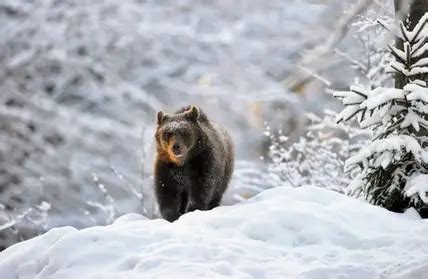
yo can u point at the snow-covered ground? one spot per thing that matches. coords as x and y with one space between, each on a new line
281 233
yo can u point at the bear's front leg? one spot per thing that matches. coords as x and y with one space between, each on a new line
168 194
169 202
201 194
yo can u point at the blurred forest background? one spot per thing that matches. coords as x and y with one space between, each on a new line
81 81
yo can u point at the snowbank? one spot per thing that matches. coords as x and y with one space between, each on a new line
282 233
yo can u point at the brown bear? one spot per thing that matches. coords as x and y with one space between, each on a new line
194 162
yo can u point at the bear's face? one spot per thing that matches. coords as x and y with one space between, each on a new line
177 134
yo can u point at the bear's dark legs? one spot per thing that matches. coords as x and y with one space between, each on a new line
169 193
169 205
170 214
198 200
221 188
197 204
215 202
200 195
204 203
184 202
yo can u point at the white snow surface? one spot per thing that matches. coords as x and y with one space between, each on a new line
283 232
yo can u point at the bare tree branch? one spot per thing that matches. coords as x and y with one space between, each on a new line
319 56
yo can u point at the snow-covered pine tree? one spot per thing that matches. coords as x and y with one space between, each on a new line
394 166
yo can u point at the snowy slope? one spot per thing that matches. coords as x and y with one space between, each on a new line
282 233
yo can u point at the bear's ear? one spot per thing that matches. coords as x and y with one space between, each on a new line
160 118
192 113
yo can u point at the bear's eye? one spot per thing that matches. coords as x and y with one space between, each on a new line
167 135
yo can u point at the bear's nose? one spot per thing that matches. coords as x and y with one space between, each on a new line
176 148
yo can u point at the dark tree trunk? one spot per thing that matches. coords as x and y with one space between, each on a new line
401 11
417 9
409 11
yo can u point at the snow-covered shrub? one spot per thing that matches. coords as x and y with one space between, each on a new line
11 222
394 165
318 157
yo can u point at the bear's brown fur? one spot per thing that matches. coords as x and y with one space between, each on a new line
194 162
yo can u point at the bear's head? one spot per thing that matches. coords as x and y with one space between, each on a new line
177 134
